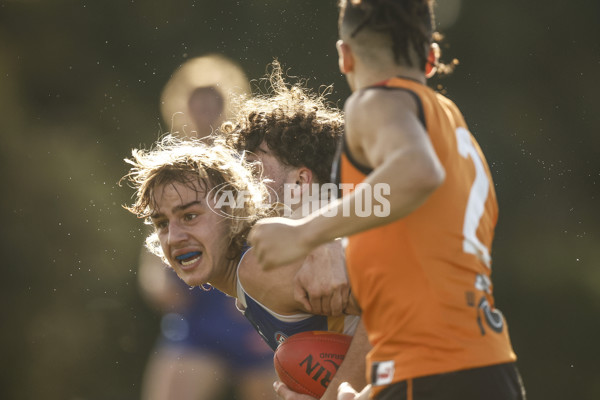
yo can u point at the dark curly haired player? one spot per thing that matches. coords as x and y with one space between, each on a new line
288 129
421 274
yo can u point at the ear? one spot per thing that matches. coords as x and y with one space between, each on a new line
432 60
305 176
301 178
345 57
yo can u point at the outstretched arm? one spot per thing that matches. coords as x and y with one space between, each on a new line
383 132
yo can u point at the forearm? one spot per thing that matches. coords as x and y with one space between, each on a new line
392 195
352 369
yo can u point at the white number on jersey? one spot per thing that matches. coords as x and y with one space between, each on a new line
477 197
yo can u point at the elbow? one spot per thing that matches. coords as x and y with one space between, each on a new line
433 177
439 176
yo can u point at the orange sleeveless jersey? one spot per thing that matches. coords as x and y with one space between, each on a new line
423 281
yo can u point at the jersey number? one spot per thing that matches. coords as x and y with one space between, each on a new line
471 244
477 197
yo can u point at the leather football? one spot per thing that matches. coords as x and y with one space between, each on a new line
307 361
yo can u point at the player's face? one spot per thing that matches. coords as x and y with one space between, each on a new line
192 236
274 170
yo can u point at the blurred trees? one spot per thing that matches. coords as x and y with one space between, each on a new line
79 87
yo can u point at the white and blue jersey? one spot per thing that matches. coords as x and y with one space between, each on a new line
275 328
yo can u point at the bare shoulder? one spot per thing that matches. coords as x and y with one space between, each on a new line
370 104
253 279
247 268
377 121
272 288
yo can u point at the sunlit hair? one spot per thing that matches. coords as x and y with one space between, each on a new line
408 25
300 127
201 167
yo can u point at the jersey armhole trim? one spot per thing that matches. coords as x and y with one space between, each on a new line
420 111
363 168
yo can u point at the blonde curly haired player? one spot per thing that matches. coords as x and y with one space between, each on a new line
190 362
182 187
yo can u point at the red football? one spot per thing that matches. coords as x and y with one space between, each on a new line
307 361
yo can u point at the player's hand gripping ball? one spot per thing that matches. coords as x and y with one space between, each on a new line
307 361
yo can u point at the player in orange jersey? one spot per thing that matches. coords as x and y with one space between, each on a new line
420 269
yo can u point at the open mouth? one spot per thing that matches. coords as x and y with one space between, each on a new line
189 258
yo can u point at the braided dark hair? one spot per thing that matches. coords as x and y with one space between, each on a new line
407 23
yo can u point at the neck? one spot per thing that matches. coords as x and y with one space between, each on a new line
227 282
368 76
380 67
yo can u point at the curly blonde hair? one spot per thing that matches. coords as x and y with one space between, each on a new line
202 167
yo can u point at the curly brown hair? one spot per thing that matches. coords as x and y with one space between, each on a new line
196 164
299 126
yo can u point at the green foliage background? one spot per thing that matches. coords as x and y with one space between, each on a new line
79 87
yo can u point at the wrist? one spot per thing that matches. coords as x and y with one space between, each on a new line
314 231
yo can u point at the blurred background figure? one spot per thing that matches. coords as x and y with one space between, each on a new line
196 100
206 350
